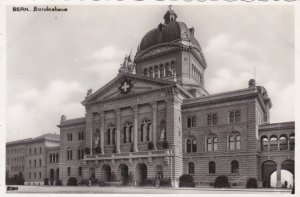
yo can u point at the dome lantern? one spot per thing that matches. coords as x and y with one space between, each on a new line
170 15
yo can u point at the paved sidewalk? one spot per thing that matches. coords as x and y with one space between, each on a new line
142 190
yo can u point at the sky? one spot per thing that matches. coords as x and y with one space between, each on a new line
53 58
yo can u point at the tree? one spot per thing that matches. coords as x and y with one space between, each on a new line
221 181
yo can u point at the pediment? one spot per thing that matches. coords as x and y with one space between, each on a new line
126 84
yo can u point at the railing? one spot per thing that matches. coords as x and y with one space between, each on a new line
144 154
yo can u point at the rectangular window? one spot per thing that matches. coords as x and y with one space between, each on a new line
234 116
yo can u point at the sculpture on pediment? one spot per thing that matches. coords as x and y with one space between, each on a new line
63 118
128 66
89 92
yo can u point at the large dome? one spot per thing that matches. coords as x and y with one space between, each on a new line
170 32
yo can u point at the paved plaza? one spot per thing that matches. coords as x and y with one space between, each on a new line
142 190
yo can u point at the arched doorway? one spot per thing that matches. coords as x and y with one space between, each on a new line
92 173
267 168
286 179
123 172
106 173
51 176
141 173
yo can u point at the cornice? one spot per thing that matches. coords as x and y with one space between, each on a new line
219 100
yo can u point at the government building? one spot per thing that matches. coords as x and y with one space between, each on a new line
157 119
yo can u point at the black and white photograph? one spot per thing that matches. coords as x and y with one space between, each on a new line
164 98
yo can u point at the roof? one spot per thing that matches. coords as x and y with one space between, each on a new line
48 136
165 33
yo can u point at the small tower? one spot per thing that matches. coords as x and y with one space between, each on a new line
170 15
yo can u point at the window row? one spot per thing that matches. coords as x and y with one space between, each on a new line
16 159
211 143
35 151
80 136
212 119
34 163
79 171
80 154
284 142
212 167
17 168
53 157
35 175
196 73
164 70
145 133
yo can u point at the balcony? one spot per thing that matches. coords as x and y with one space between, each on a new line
130 155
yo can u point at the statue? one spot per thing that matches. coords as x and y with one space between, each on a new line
89 92
162 134
63 118
128 66
251 83
97 141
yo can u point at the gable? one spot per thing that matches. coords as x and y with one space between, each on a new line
126 84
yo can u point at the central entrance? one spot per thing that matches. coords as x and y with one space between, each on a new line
141 172
124 172
106 173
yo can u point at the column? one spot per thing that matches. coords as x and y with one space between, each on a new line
268 144
278 144
135 128
118 129
278 182
288 143
102 130
154 124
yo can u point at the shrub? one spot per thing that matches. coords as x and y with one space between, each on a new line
149 182
58 182
186 180
95 181
165 182
150 145
84 182
165 144
87 150
102 183
72 181
221 181
46 181
98 150
251 183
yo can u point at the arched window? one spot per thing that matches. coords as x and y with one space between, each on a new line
237 116
238 142
231 142
209 144
264 143
194 145
188 146
162 71
151 72
69 154
191 168
209 119
111 134
283 142
215 144
146 130
211 167
40 161
56 157
215 119
156 72
234 166
79 171
292 142
273 143
146 72
231 117
69 171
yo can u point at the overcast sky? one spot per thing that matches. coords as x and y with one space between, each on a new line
53 58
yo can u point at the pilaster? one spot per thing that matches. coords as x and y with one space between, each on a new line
118 129
135 127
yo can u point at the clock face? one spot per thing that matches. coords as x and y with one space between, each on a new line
125 86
